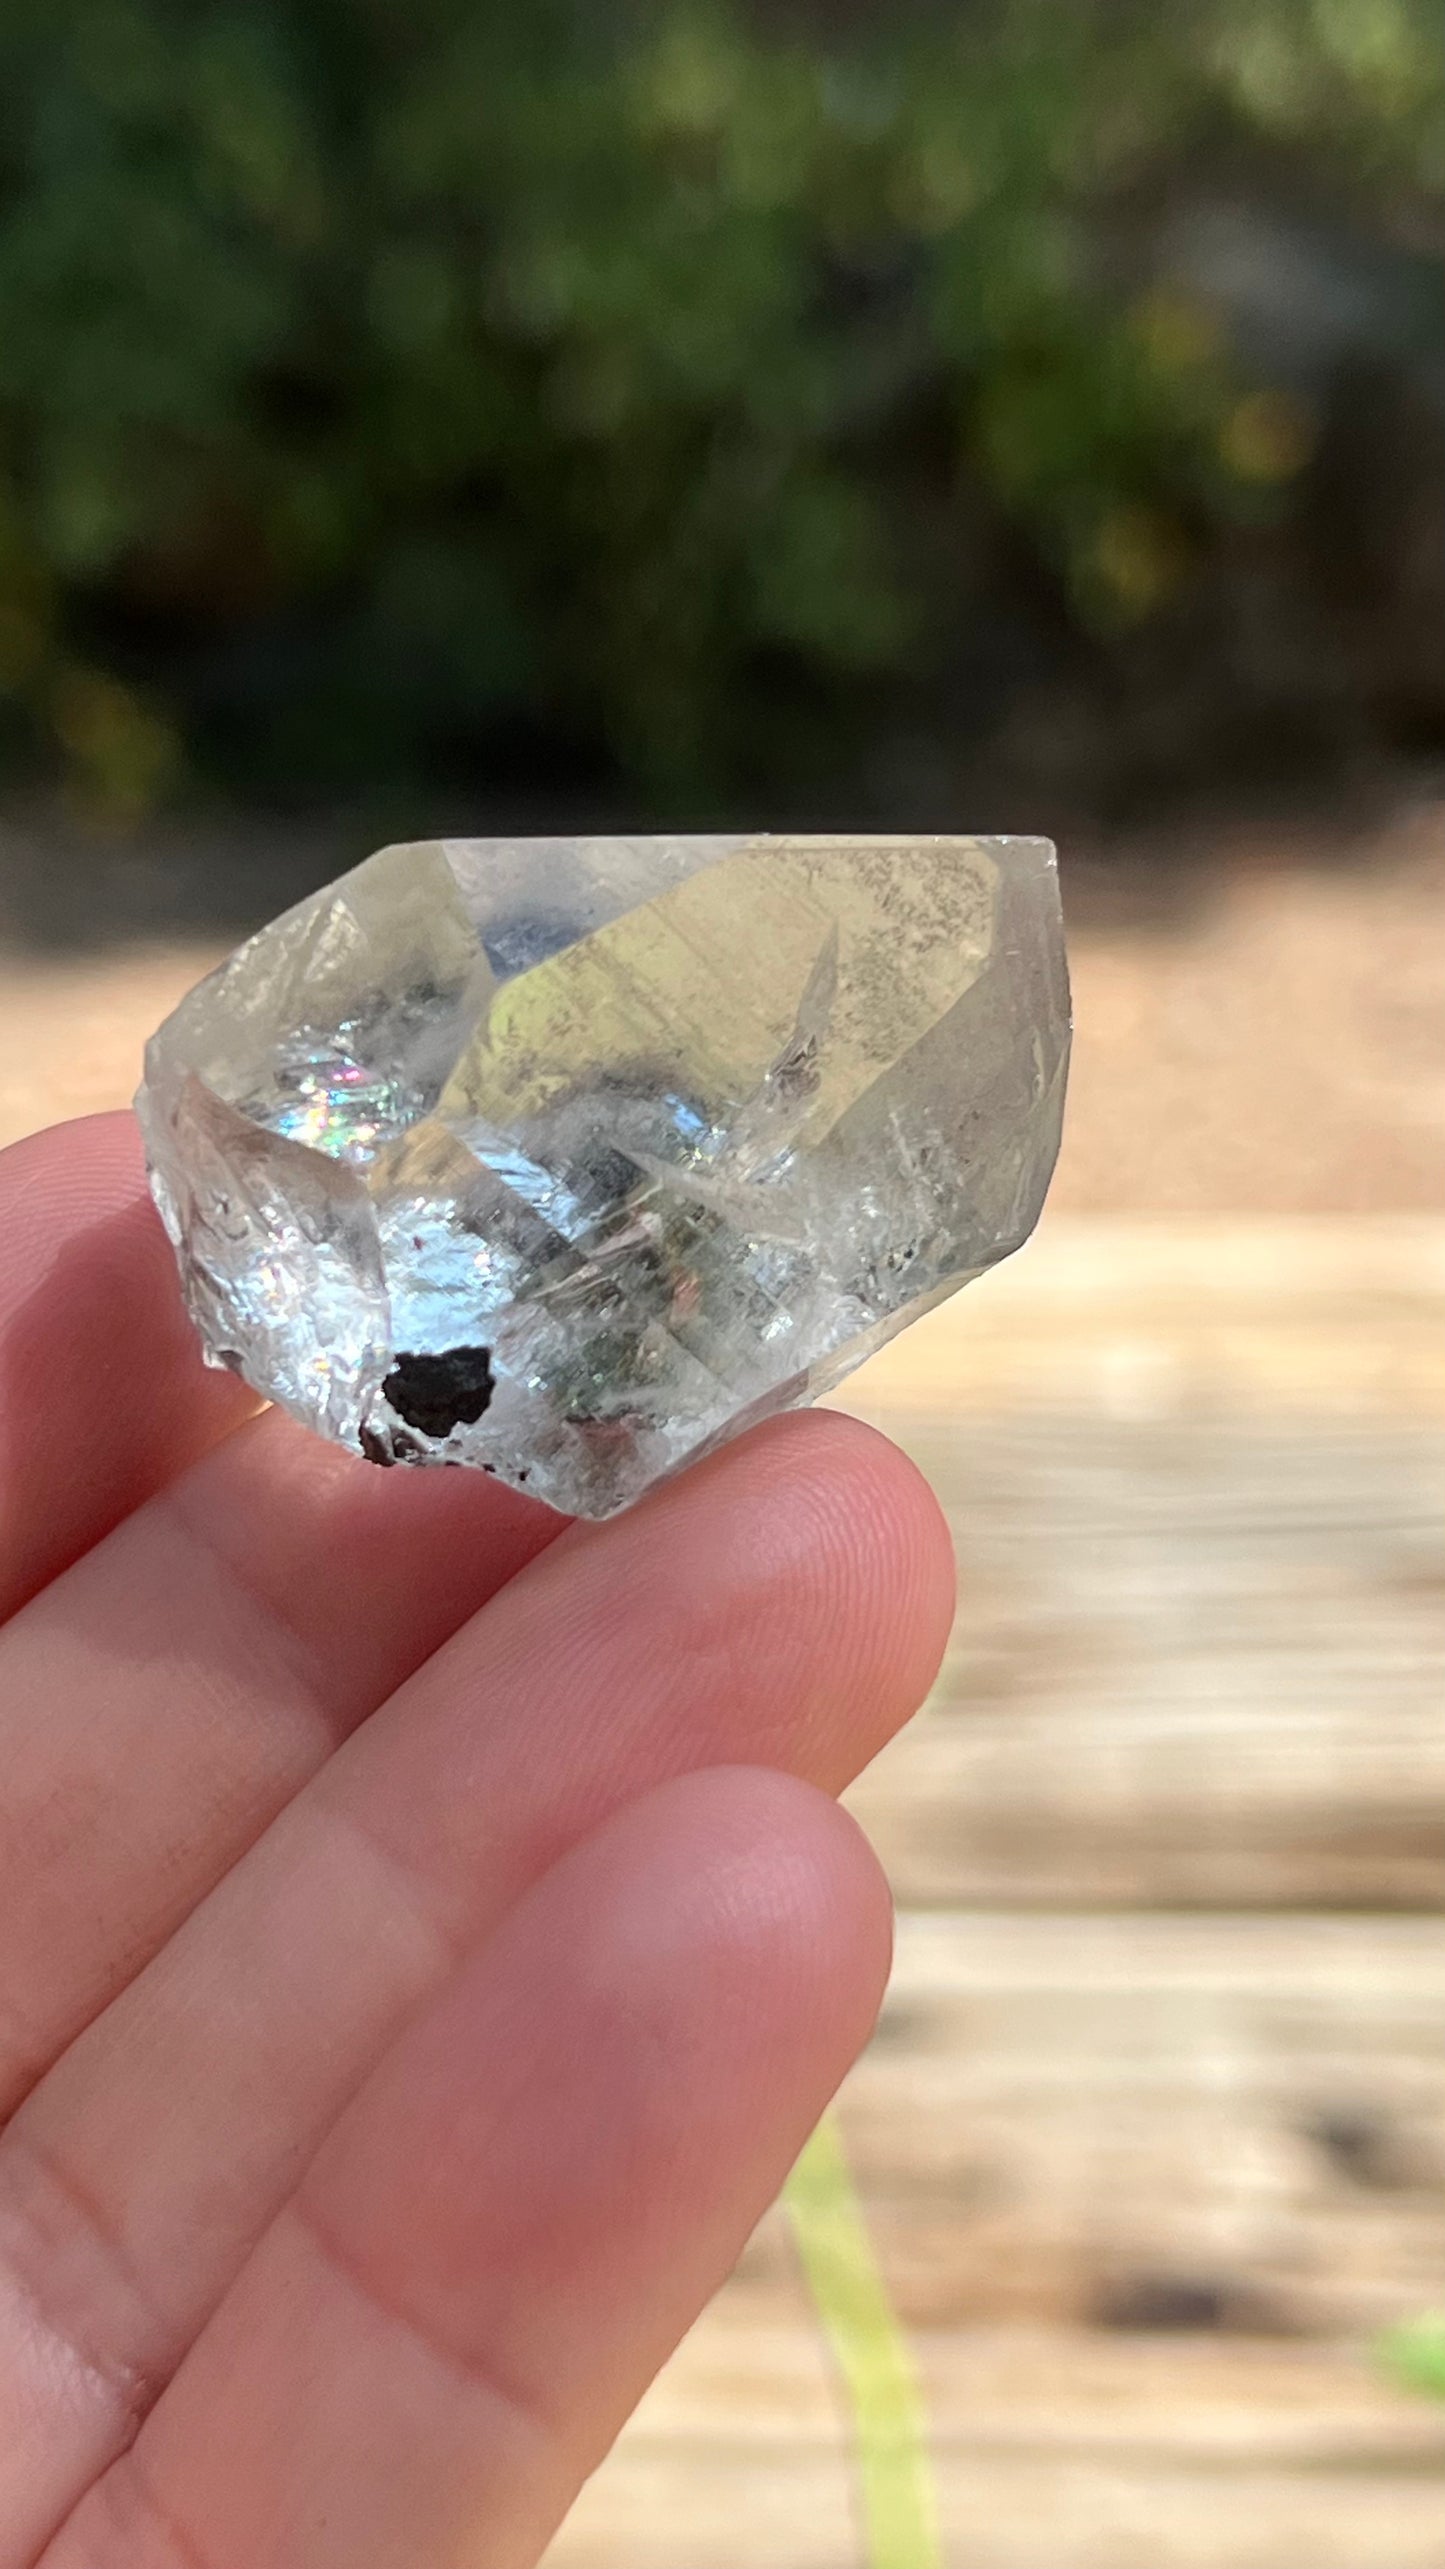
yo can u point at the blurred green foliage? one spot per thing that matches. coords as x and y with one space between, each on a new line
384 380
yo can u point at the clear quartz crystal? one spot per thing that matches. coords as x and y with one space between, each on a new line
568 1158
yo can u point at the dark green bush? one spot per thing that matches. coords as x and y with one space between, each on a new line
406 387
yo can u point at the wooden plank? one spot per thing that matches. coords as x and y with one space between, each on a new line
755 2380
698 2509
1197 1660
1150 1318
1218 2123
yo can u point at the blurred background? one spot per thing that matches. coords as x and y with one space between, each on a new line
1019 414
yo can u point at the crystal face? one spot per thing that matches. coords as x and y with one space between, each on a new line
567 1158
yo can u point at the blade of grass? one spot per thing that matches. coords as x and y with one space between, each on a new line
1413 2353
889 2422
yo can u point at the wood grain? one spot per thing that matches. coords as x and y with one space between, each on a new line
749 2380
1197 1661
1140 1319
1228 2123
1051 2446
704 2509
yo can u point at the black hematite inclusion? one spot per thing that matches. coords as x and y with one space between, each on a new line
438 1393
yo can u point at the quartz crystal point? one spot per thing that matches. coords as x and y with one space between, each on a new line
568 1158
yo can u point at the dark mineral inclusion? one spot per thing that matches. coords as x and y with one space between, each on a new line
438 1393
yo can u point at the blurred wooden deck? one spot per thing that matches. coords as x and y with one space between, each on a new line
1153 2135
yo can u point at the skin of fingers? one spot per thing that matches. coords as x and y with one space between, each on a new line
163 1699
603 2102
784 1604
103 1395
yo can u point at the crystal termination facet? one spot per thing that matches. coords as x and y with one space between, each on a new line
568 1158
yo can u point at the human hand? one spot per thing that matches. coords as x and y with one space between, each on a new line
424 1944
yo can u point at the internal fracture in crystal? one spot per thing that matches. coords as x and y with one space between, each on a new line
567 1158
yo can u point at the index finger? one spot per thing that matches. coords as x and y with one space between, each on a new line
103 1394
